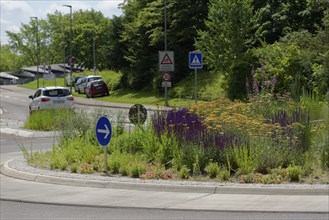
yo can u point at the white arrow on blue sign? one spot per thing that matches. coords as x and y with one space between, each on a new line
103 131
195 60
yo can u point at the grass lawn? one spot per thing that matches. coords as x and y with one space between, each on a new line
120 96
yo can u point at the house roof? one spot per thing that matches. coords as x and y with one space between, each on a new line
56 68
7 76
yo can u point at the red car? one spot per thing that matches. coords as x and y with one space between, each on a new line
96 88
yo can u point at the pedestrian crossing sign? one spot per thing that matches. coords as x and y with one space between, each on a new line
195 60
166 61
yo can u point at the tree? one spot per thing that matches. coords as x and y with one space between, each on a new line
276 18
299 61
10 61
226 42
144 33
25 42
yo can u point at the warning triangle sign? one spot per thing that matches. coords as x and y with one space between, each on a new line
166 59
196 61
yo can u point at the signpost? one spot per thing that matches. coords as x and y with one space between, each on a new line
104 135
166 64
195 62
166 61
137 114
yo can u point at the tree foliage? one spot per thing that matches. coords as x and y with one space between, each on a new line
288 37
226 41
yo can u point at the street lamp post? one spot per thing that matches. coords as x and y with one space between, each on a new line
71 58
94 55
165 44
37 39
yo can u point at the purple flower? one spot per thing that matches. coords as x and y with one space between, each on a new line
247 87
267 83
273 81
255 85
189 128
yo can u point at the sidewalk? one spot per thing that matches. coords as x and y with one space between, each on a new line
20 182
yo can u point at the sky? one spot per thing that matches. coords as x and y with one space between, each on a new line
13 12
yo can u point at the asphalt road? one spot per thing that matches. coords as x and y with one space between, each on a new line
22 199
26 211
13 106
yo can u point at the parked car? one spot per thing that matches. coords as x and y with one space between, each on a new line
51 98
78 82
82 86
96 88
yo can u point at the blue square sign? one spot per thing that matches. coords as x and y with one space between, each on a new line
195 60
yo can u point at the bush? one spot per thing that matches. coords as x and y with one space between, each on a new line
48 120
244 158
224 174
74 168
212 169
294 173
137 169
184 172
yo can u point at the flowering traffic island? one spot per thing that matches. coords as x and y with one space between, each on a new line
266 139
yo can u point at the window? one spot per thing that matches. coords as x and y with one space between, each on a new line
37 93
57 92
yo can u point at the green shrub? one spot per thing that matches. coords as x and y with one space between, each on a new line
137 169
244 158
249 178
294 173
48 120
212 169
63 164
224 174
184 172
268 155
124 170
159 169
167 146
74 168
196 167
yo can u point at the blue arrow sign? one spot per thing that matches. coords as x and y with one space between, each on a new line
195 60
103 131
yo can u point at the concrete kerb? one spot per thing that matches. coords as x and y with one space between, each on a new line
98 103
109 182
28 133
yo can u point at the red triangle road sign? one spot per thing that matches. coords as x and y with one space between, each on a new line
166 59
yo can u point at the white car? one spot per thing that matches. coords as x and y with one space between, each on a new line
83 84
51 98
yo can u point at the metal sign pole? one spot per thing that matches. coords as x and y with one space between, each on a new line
195 85
105 160
165 36
104 135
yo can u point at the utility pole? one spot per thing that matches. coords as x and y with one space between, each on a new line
64 52
71 58
94 55
165 45
37 41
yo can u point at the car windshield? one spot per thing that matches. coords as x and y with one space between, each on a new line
79 80
94 78
56 92
98 83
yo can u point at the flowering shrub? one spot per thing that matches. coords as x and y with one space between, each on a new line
227 116
295 128
189 128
